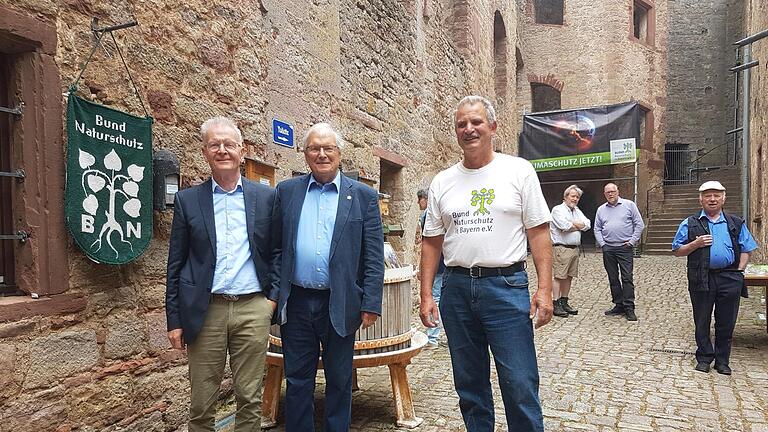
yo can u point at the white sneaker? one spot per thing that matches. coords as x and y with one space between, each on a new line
431 345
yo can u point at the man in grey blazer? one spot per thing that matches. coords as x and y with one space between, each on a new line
330 279
217 292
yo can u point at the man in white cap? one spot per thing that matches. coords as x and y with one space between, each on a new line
718 246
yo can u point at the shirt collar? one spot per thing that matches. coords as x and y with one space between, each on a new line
619 201
720 218
216 188
336 181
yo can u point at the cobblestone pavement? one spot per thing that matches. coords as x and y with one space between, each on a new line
602 373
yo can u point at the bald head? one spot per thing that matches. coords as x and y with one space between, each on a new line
611 192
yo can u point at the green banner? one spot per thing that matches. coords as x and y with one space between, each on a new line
620 154
109 181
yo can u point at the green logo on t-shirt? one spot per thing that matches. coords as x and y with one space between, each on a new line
483 198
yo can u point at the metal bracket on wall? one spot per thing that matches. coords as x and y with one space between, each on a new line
17 110
19 174
96 29
20 235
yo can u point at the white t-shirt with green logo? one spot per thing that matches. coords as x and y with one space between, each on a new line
483 212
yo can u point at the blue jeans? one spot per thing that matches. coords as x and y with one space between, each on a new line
308 326
492 312
433 333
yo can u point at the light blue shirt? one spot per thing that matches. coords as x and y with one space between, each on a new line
235 271
721 253
313 238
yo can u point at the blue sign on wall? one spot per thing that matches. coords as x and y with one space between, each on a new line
282 133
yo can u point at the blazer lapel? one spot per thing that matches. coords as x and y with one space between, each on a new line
205 198
296 203
342 213
250 200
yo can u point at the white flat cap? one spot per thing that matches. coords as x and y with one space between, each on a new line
712 184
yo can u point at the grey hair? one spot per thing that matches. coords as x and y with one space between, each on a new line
490 112
323 129
220 121
572 188
422 193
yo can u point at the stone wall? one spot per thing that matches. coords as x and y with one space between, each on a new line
701 89
386 73
756 20
593 60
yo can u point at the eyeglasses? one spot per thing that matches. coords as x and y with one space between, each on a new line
228 146
329 150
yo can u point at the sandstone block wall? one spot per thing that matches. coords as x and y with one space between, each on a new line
593 61
386 73
701 89
756 20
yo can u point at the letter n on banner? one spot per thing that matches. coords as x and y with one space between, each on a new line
108 197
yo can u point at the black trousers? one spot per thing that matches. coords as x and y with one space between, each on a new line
723 297
618 263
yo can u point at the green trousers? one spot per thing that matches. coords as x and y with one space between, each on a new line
240 328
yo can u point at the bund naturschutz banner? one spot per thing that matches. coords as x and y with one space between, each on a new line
109 181
581 138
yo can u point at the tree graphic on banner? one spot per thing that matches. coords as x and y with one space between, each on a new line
96 182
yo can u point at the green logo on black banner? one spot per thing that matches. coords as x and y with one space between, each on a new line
109 181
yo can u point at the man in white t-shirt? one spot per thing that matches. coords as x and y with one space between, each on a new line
482 213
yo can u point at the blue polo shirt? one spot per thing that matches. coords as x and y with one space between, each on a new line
315 232
721 254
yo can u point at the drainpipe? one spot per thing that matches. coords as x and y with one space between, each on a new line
745 158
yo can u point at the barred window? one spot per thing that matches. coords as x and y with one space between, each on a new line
7 261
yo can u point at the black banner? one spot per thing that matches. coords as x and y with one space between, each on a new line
583 137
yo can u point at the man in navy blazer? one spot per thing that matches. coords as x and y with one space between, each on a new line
330 278
217 291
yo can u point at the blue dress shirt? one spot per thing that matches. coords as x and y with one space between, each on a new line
235 271
313 237
721 254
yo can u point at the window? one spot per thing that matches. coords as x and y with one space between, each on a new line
33 142
7 262
643 22
548 11
500 57
544 98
